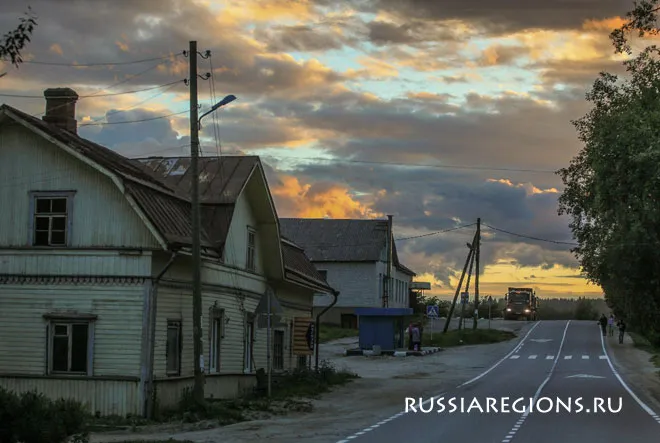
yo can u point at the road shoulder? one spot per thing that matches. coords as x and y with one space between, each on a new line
636 368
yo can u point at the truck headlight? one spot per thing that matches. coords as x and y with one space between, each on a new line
527 311
508 309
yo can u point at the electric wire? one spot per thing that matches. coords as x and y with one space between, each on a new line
76 65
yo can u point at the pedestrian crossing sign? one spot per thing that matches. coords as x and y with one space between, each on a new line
433 311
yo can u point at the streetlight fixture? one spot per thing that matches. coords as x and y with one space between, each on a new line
225 101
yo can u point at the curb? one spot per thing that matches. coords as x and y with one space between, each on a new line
370 353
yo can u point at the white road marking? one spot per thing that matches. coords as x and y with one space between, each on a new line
532 357
603 357
568 357
625 386
585 357
516 349
522 419
515 356
584 376
550 357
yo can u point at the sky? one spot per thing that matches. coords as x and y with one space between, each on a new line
437 113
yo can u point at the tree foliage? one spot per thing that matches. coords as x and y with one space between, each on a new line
612 187
13 42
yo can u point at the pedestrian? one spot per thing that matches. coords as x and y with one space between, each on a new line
416 336
603 324
610 325
622 330
410 336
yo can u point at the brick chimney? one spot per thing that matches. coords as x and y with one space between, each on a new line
61 108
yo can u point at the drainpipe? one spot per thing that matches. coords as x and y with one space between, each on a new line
335 294
152 335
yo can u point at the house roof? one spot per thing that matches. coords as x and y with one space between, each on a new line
340 240
161 186
297 262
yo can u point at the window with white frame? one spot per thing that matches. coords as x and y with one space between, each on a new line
248 345
278 350
50 218
251 256
70 344
173 347
216 334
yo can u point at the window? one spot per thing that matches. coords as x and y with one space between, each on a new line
302 362
250 259
278 350
324 274
216 333
51 218
69 347
249 342
173 348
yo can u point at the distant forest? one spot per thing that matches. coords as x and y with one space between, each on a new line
549 308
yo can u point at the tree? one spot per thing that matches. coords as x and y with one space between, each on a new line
13 42
585 310
612 187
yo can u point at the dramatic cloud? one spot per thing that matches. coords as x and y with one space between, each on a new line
436 112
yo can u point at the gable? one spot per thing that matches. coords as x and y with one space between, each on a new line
101 215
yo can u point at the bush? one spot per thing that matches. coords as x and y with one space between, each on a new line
31 417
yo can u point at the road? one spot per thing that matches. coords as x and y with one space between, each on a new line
558 360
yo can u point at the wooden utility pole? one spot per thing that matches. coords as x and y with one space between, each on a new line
467 287
458 289
476 276
198 388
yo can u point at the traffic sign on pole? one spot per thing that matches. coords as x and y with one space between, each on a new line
433 311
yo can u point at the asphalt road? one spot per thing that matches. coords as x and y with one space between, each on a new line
556 361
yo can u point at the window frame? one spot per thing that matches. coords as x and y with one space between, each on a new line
248 344
251 259
173 323
53 320
278 350
216 334
36 195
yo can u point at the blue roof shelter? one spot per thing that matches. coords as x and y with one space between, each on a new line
382 327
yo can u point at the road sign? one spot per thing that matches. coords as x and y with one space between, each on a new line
433 311
465 297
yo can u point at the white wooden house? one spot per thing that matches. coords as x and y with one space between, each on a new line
353 257
95 269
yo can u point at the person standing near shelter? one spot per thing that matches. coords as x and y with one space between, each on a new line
410 336
416 336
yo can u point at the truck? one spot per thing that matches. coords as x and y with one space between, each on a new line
520 303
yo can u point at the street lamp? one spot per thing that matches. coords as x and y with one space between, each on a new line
225 101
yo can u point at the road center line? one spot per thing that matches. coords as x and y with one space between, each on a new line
387 420
522 419
643 405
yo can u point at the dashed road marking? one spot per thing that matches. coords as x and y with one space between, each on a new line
550 357
585 357
395 416
568 357
523 417
513 357
603 357
532 357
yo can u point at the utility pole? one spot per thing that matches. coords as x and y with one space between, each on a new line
198 388
476 276
458 290
461 323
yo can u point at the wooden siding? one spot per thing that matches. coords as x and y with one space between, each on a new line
101 215
62 262
117 330
108 397
236 245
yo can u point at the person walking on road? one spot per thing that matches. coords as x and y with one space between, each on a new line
603 324
610 325
622 330
416 337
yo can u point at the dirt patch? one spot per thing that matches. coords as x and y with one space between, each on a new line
380 393
636 367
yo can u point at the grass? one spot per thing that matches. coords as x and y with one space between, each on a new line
642 343
330 332
466 337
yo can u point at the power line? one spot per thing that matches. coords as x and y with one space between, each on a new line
435 233
530 237
75 65
135 121
110 94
